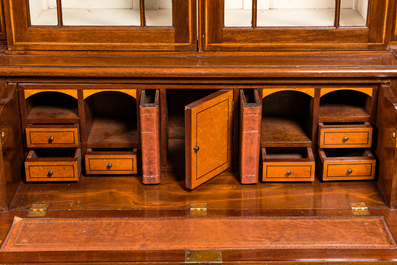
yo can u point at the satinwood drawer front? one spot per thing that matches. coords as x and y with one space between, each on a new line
52 136
350 165
111 162
345 136
63 165
287 164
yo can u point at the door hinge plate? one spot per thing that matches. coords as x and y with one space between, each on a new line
38 210
198 209
203 257
360 208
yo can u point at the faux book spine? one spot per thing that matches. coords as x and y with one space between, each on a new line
150 139
250 120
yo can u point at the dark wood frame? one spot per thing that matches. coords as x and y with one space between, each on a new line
182 36
219 38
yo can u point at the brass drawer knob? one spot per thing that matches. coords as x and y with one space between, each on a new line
196 148
349 171
289 173
345 138
50 173
51 139
110 165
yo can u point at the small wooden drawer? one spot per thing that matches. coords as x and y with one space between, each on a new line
66 136
53 165
111 162
287 164
345 136
339 164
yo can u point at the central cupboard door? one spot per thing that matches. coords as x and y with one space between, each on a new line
208 137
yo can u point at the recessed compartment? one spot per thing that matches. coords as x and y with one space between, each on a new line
51 107
345 135
52 136
111 119
287 164
286 118
111 162
346 104
53 165
346 164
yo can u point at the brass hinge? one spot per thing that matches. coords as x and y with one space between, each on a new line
203 257
38 210
360 208
198 209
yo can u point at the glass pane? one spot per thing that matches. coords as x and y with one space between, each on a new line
43 12
101 12
353 13
296 13
158 12
238 13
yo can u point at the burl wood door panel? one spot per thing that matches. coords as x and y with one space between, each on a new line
208 137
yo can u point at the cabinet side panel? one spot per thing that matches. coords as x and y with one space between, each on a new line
11 145
386 147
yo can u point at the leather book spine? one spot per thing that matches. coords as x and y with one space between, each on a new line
250 121
150 140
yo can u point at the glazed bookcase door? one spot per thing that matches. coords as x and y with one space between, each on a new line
262 25
101 25
208 137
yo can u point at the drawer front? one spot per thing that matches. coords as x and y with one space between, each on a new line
52 137
111 164
347 168
335 170
288 171
345 137
52 171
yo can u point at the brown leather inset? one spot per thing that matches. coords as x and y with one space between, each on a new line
61 234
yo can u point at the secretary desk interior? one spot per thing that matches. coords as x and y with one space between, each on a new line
198 116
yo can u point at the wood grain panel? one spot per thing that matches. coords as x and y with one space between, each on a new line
90 92
64 136
287 167
209 124
347 167
365 90
345 136
63 169
31 92
111 162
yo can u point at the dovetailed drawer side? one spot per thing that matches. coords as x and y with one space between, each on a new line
345 136
52 136
111 163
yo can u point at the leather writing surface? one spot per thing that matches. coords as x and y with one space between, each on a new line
66 234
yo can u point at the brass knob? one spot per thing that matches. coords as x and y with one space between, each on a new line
110 165
289 172
50 173
3 135
345 138
393 134
349 171
196 148
51 139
